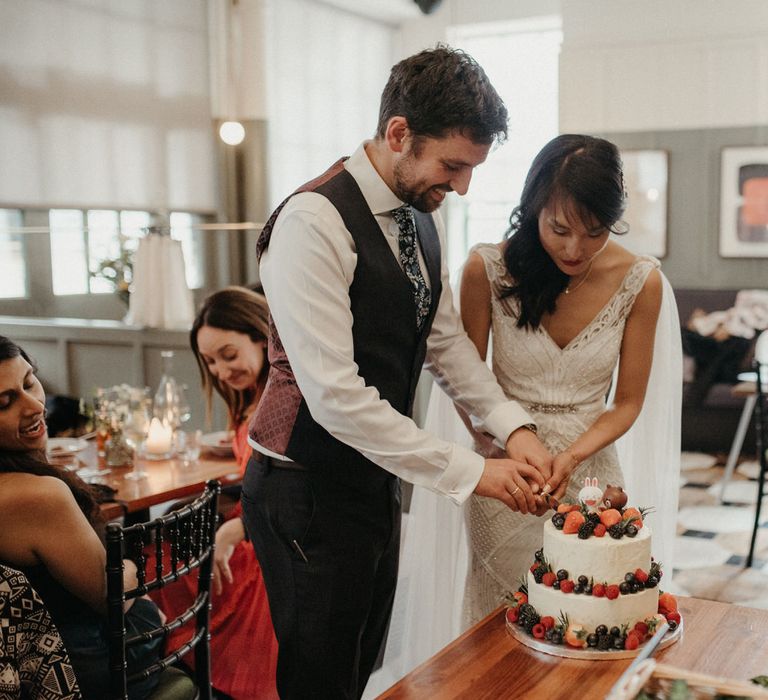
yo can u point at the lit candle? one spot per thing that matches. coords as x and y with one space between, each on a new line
158 438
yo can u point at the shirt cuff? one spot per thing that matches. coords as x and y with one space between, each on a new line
461 475
503 420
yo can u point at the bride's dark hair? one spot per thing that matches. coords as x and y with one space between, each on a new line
582 171
33 462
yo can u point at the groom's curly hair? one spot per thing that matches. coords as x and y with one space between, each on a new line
582 171
442 91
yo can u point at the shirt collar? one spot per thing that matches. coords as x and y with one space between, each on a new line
379 198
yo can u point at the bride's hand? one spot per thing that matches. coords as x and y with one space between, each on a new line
523 445
562 468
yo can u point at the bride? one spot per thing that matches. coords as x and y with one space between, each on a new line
568 315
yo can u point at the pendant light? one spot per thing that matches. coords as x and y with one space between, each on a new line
232 132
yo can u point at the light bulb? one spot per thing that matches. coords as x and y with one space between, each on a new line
232 133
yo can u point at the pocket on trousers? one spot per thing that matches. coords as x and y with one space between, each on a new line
292 512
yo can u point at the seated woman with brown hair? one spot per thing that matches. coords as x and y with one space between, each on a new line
50 529
228 338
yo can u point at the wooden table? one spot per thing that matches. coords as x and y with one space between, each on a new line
167 480
487 663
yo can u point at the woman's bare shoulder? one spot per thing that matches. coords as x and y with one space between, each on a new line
23 492
619 257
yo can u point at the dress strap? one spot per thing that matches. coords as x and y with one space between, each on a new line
633 283
494 264
498 278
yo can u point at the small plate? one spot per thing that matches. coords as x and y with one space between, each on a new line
218 443
65 447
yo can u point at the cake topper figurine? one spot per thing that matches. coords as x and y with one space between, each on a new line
614 497
591 494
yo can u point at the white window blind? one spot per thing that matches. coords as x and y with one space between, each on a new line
105 104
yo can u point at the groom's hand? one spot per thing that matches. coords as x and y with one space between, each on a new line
510 482
523 445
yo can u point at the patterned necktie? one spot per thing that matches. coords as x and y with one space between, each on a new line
409 259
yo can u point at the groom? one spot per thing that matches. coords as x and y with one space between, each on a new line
353 267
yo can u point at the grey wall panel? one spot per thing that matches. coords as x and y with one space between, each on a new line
100 364
51 362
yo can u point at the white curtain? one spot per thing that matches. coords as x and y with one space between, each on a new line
327 68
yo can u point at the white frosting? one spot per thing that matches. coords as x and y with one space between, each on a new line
604 560
590 611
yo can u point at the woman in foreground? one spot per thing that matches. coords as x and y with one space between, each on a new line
50 529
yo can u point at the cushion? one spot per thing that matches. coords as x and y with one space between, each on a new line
174 685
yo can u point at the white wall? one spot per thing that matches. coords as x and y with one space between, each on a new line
426 30
663 64
630 65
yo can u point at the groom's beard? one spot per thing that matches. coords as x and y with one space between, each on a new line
417 194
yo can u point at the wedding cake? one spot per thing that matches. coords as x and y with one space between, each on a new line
594 582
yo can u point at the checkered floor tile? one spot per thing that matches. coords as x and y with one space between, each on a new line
713 537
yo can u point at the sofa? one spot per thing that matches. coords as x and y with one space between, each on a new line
710 413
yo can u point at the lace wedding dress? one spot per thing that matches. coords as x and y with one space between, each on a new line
457 562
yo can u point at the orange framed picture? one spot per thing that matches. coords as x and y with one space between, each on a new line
744 202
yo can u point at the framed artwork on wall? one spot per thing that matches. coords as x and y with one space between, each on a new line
744 202
646 174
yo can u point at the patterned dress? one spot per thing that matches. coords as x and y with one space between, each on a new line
33 661
564 390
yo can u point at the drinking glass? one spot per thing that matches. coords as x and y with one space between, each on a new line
136 427
188 445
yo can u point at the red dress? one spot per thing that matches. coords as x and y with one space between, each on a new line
243 644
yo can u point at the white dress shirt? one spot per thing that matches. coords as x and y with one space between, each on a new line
306 272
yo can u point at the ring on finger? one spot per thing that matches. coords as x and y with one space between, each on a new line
512 493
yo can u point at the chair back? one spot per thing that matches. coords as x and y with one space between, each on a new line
189 535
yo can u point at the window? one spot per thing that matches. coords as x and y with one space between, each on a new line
69 263
521 60
13 268
92 250
84 244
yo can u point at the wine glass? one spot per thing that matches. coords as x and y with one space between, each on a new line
136 427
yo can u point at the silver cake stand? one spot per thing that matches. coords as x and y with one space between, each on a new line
586 653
